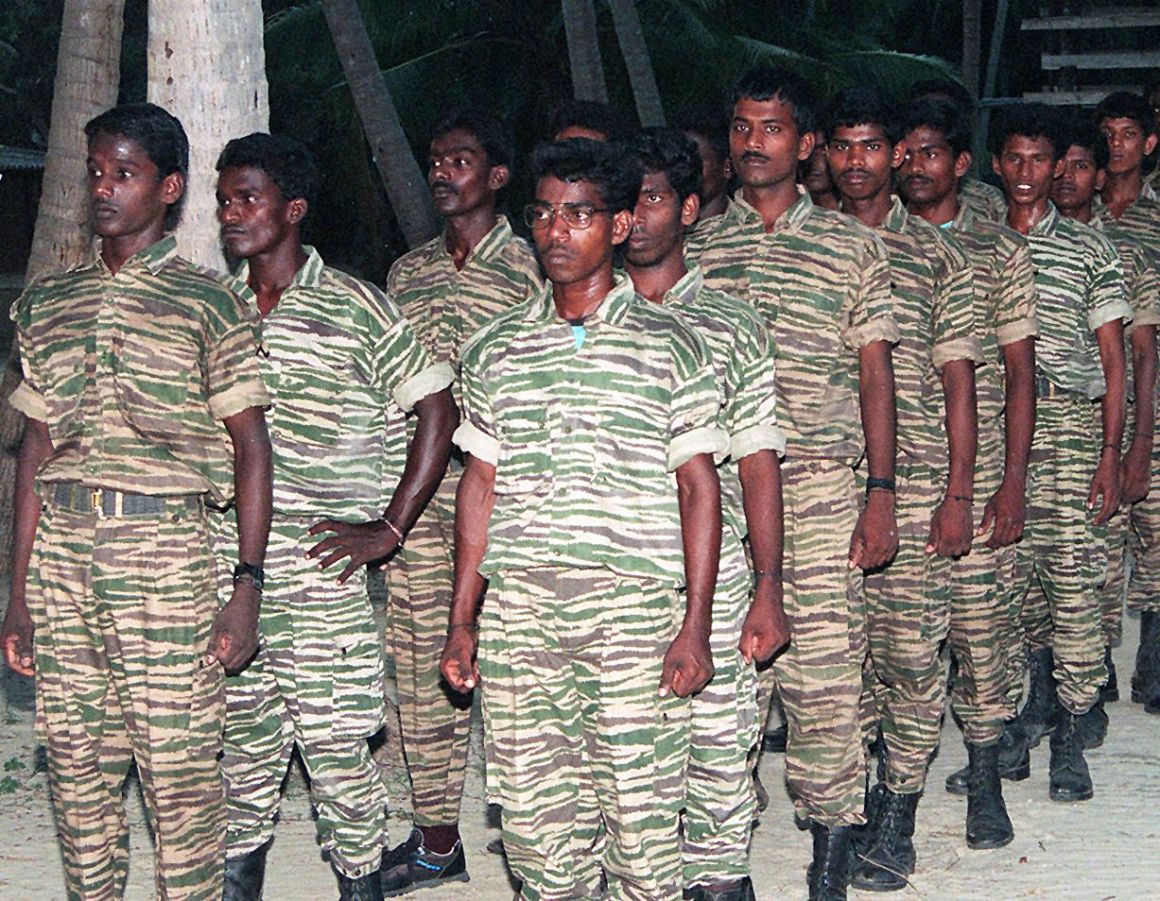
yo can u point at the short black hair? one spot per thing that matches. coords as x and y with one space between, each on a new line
943 89
862 105
486 129
286 162
944 116
711 122
158 132
669 151
773 83
1027 120
588 114
615 173
1076 132
1126 105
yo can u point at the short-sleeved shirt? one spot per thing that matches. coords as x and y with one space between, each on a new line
821 283
1004 282
1141 219
697 234
1079 285
446 305
984 200
342 367
934 306
743 360
133 372
586 439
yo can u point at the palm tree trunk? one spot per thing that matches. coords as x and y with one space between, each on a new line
207 66
404 180
584 51
638 63
972 43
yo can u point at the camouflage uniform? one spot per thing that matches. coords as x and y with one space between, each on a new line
342 367
983 200
908 601
584 554
445 306
822 284
720 803
131 373
1063 555
985 636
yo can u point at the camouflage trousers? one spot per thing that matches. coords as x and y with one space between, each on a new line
720 801
984 620
584 757
1062 558
1112 587
122 608
317 683
435 721
819 676
907 617
1144 585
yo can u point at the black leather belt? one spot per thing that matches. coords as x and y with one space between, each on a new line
80 498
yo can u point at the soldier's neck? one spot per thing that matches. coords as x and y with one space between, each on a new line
273 271
1121 191
655 281
463 233
771 201
1023 217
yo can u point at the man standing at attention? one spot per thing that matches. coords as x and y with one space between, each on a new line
446 289
342 367
136 365
589 497
720 801
821 282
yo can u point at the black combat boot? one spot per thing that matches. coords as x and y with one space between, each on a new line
1014 761
888 862
1070 779
988 825
364 888
1146 679
1093 727
736 891
829 873
1037 718
245 875
1110 693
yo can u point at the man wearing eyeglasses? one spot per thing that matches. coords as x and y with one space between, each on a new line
589 498
447 289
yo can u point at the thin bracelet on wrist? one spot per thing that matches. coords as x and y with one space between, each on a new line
766 574
1114 447
962 497
471 626
394 528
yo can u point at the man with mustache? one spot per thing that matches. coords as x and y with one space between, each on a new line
343 367
1127 121
447 288
908 601
821 282
139 372
984 631
589 498
1073 484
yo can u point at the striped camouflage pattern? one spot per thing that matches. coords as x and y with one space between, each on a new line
819 676
1079 284
983 200
122 610
132 372
317 683
342 367
445 306
720 801
697 234
585 759
585 441
822 284
984 614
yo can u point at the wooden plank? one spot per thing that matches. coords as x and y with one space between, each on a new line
1078 97
1128 59
1103 18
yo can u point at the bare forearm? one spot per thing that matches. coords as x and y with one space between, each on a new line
876 399
252 483
761 493
427 459
1143 340
958 379
474 501
699 498
35 448
1110 337
1019 414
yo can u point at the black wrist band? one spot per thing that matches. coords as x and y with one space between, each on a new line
248 572
877 483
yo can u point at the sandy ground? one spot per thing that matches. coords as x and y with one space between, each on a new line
1106 848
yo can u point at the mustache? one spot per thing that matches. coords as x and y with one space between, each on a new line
754 155
915 180
847 173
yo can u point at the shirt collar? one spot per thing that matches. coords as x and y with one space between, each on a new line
898 217
964 220
612 309
688 286
152 259
742 213
309 276
1046 226
488 248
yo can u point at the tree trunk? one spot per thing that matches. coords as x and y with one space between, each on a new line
404 180
972 43
207 66
638 63
584 51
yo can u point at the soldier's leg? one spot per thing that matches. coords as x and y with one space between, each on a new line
720 803
1144 585
155 578
1110 592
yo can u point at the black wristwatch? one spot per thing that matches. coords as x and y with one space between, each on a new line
247 572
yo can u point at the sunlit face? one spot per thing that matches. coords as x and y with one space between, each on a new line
1128 144
127 194
568 254
658 222
861 160
460 175
930 170
1027 167
1077 184
764 143
255 218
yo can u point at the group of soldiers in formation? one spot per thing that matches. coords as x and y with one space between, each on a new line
861 407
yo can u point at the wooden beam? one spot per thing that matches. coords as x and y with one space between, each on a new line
1078 97
1128 59
1103 18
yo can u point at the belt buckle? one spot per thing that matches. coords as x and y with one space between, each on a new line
95 502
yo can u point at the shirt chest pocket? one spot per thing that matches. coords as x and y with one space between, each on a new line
153 379
524 467
309 376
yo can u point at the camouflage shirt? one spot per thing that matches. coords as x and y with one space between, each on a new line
585 440
743 361
1141 219
934 306
821 282
1079 284
984 200
342 366
133 372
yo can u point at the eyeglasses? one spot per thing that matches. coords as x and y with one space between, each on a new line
575 215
